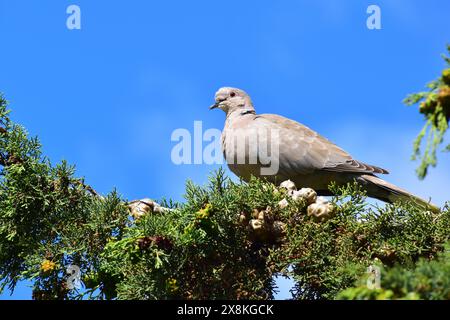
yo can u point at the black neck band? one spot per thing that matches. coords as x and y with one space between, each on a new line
248 112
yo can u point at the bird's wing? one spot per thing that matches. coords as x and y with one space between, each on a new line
303 150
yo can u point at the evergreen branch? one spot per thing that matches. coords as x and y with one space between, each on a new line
435 106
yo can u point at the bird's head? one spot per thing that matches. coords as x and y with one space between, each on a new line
232 99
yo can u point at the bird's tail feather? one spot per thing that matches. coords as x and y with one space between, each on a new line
391 193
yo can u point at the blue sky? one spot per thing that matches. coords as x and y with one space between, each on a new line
107 97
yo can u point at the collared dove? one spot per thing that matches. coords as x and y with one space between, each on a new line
302 155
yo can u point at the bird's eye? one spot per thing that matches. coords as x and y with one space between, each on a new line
232 94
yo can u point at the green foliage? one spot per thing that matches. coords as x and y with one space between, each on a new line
434 104
326 257
198 251
48 214
204 248
427 280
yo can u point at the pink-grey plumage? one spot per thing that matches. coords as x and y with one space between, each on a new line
305 157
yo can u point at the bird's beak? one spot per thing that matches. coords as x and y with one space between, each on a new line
219 100
214 106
